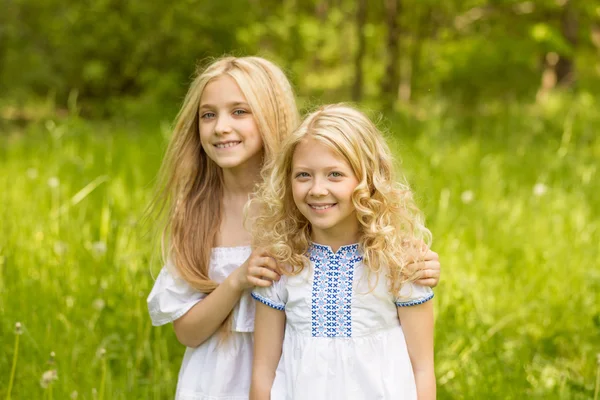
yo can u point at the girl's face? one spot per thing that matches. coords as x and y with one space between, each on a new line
228 131
322 187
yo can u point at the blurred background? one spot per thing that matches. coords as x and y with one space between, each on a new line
492 105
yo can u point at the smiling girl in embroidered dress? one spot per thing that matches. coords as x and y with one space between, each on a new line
356 324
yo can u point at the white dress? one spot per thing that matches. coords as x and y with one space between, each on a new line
341 341
215 370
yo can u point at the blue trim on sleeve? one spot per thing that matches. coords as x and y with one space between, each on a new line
268 302
414 302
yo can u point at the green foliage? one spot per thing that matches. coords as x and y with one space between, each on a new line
468 51
512 198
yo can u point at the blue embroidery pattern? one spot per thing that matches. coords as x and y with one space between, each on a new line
415 301
332 289
267 301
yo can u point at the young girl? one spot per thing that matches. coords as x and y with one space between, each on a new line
235 114
356 325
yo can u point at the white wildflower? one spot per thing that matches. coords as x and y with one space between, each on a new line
48 377
60 248
99 248
467 196
70 301
53 182
98 304
539 189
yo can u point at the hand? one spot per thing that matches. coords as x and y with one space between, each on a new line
260 269
428 270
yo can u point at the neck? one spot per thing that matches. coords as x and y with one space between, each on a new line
335 240
240 181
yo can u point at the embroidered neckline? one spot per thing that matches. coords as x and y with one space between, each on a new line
348 251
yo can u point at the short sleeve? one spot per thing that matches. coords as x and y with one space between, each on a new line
412 294
171 297
274 296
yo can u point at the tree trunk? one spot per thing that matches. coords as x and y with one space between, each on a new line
361 17
565 68
391 77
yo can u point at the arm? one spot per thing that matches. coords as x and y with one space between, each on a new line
207 316
269 328
417 324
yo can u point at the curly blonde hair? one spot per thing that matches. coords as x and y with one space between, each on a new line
391 228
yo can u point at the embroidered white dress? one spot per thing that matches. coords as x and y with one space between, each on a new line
215 370
341 341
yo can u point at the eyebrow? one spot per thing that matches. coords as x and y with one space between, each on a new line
327 168
230 105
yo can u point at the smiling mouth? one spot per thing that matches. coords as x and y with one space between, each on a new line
226 145
320 207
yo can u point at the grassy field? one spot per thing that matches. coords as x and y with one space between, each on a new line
511 197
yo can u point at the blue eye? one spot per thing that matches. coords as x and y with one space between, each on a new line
240 112
302 175
207 115
336 174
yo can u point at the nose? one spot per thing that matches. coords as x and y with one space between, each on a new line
318 188
223 124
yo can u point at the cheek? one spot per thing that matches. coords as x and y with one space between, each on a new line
297 194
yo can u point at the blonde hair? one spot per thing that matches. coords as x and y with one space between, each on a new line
190 183
390 224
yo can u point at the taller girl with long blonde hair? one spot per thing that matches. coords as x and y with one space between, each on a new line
233 119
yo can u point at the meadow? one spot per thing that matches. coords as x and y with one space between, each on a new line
511 194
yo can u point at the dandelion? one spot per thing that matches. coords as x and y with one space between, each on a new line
539 189
32 173
60 248
74 394
99 304
69 301
48 377
51 359
18 328
467 196
99 248
53 182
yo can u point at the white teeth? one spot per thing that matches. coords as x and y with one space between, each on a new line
322 207
226 145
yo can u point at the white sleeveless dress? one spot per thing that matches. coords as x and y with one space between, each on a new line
215 370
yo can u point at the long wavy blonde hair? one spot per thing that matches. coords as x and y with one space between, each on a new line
191 184
391 227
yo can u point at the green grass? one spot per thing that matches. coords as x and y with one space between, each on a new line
512 199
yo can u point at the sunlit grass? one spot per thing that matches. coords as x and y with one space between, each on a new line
512 201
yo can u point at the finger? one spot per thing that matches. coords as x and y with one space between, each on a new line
262 272
415 267
432 265
431 255
427 282
268 262
256 281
